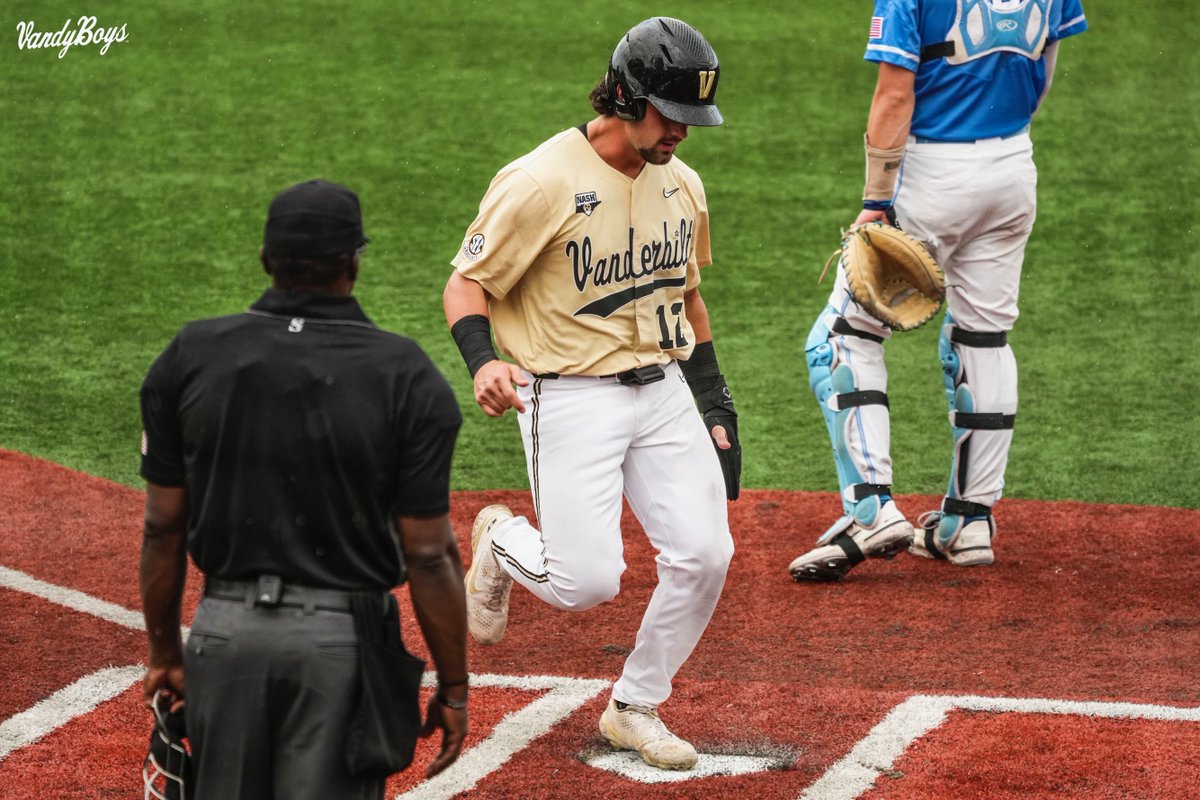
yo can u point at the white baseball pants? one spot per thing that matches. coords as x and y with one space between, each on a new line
587 442
974 204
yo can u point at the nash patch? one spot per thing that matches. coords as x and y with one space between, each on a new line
585 203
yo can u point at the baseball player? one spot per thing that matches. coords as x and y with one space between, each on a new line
586 257
949 159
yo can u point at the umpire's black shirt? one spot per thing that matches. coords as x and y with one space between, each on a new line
299 430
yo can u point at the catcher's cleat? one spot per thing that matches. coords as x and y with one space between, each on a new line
850 542
963 541
488 586
629 727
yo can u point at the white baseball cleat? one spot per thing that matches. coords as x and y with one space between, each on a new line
838 551
487 585
630 727
964 542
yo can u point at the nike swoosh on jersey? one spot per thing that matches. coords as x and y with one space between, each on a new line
668 194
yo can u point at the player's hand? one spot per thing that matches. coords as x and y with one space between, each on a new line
453 723
870 216
721 438
722 426
494 390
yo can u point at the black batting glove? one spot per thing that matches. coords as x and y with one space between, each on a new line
715 404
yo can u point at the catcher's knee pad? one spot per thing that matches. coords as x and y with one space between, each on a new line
951 364
821 357
834 384
974 364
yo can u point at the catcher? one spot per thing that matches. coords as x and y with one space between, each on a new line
886 280
958 84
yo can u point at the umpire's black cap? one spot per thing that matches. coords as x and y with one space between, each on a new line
314 218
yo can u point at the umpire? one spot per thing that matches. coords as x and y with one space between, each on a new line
301 455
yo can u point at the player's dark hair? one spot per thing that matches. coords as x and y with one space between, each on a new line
601 103
292 273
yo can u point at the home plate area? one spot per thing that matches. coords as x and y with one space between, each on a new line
630 765
552 700
1065 670
550 748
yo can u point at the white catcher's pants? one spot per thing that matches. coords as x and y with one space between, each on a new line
974 205
587 441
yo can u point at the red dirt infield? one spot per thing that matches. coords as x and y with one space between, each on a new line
1089 603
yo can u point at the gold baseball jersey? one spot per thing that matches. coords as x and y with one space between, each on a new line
587 267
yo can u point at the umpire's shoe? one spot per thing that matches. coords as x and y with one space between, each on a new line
629 727
488 586
849 543
963 541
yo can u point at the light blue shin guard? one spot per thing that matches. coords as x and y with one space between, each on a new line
834 385
951 363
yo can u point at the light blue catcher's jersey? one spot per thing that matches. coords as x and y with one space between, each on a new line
991 85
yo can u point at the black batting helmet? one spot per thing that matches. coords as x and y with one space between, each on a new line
667 62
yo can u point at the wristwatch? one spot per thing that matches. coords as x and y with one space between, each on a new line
457 705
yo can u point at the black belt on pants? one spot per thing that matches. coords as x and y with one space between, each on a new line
270 591
638 376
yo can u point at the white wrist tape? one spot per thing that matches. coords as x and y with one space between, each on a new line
883 167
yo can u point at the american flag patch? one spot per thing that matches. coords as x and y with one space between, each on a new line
876 27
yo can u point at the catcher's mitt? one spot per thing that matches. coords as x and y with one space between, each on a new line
891 275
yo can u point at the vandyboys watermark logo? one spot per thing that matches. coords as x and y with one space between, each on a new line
82 32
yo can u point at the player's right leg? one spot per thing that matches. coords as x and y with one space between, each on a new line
488 585
844 353
674 485
574 562
983 228
980 374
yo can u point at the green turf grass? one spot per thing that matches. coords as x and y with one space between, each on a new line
135 186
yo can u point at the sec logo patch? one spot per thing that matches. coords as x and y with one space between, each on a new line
473 247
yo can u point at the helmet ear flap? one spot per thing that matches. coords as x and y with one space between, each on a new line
630 109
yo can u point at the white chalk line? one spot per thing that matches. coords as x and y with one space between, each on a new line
847 779
512 734
82 696
55 711
884 744
71 598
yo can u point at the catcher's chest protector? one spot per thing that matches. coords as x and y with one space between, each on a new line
990 26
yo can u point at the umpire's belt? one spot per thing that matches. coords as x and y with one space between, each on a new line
638 376
270 591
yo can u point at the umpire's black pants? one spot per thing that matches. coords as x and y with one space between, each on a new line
269 695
